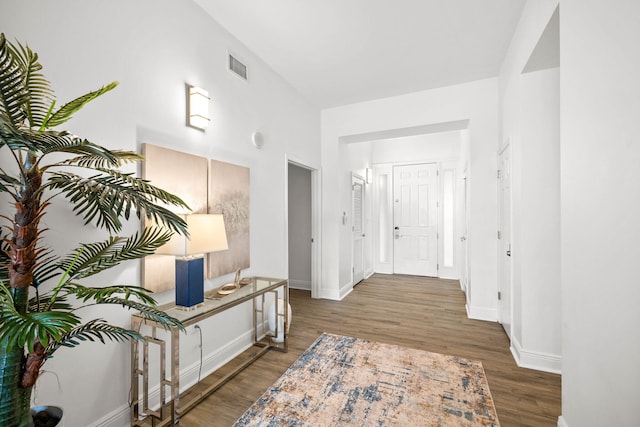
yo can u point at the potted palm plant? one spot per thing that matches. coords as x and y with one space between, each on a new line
41 294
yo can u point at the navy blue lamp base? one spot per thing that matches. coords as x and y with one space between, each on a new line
189 281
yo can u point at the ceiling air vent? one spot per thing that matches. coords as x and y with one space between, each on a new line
237 67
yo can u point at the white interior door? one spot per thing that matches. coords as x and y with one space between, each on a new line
415 216
504 242
357 194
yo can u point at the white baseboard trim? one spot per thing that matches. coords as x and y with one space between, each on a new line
535 360
562 422
332 294
305 285
448 273
121 416
482 313
346 290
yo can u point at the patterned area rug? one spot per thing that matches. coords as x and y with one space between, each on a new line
343 381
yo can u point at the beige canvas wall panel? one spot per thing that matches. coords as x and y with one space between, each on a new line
229 195
184 175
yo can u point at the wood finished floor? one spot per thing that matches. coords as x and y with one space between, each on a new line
416 312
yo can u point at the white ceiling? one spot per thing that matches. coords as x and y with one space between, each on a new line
337 52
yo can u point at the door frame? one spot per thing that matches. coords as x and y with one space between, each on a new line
464 234
316 211
358 177
506 147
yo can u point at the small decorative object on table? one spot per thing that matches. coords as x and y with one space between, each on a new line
229 288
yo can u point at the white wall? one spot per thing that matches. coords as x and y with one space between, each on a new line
537 215
530 121
299 227
476 102
434 147
153 48
600 211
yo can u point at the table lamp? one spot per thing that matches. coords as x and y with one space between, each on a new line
206 234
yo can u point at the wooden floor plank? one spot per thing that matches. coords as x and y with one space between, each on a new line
417 312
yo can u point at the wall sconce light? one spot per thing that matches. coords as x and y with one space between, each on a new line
206 234
197 107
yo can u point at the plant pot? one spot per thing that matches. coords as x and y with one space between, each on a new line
46 416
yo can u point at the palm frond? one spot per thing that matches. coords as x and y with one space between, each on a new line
107 198
147 312
47 268
100 294
4 257
38 87
9 185
13 93
146 306
95 161
99 256
44 303
67 111
96 329
49 141
13 137
25 329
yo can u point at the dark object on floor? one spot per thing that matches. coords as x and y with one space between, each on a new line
46 416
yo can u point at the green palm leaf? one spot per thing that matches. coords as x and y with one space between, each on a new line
48 142
93 258
12 137
132 297
147 312
107 198
4 257
45 303
25 329
13 94
69 109
39 89
98 161
9 184
47 268
96 329
100 294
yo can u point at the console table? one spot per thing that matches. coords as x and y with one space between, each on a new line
172 407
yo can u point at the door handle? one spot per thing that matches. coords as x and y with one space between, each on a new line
509 252
396 232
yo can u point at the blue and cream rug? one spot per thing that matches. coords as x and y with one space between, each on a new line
344 381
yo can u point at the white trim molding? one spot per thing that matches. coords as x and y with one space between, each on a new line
300 284
535 360
482 313
562 422
345 290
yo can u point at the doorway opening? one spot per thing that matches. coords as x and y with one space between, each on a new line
419 219
303 206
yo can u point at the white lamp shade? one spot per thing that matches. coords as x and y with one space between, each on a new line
206 234
198 108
